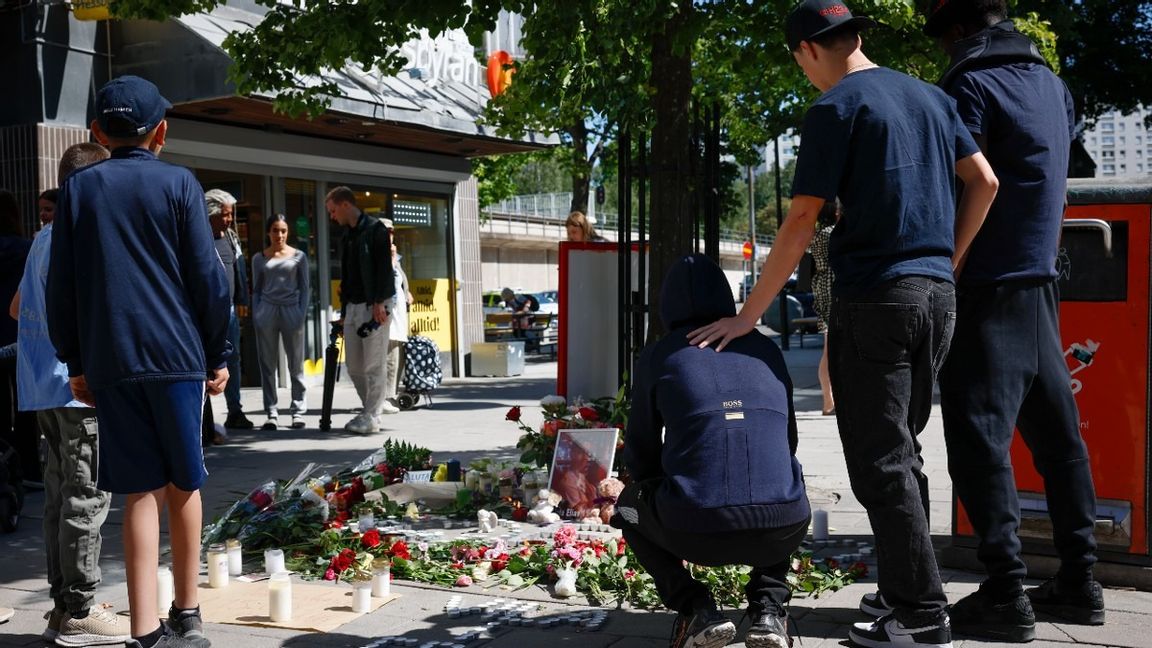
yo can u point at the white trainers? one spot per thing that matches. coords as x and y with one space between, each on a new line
388 408
363 423
99 628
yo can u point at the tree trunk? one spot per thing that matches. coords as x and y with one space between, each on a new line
670 162
581 168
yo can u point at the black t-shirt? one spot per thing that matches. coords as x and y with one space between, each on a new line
228 258
886 145
1025 112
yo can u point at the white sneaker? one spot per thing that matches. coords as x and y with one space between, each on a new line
388 408
363 424
99 628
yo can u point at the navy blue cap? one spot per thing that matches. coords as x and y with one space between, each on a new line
129 106
812 18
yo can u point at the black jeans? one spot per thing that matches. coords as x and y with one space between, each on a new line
662 552
884 349
1007 369
18 428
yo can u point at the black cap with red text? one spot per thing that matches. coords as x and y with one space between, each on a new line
813 18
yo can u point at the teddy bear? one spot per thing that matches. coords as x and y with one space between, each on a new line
542 511
608 490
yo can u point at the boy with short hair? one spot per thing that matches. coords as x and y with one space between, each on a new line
138 310
74 508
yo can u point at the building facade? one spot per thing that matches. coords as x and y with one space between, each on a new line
1121 144
402 143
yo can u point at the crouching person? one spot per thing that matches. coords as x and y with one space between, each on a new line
723 485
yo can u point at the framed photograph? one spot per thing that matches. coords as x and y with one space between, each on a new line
582 460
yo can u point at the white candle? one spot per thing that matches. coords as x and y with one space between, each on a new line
362 597
820 524
382 582
165 590
235 558
367 522
217 566
273 561
280 597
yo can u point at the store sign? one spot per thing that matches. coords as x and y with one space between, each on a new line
91 9
449 57
431 311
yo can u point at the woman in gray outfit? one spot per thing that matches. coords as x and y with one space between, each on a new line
279 303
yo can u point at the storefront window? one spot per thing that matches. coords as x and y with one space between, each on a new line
300 208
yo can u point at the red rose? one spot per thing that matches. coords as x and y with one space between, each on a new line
400 550
371 539
513 414
549 428
589 414
499 565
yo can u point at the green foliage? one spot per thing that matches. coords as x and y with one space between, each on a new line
496 176
404 455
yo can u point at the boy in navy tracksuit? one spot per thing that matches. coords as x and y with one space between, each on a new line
723 485
138 310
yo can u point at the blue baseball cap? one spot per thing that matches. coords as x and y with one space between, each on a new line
129 106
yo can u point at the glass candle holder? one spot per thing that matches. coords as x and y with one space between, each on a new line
362 597
280 597
382 580
273 561
165 590
217 566
235 557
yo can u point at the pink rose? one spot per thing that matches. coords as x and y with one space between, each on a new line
463 581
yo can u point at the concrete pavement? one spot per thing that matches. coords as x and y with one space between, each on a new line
466 421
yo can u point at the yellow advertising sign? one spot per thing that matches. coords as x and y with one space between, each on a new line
91 9
431 311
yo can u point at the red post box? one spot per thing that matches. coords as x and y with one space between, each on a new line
1104 268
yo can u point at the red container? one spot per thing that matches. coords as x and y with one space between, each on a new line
1104 266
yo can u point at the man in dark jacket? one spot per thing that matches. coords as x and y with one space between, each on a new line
726 464
1020 114
367 285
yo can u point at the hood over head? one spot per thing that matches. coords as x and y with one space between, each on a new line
695 291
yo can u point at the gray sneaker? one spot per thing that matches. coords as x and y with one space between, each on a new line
188 624
170 640
99 628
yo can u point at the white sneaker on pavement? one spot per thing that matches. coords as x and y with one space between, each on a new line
363 423
99 628
388 408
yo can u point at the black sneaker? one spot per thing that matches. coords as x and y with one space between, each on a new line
1082 604
237 421
189 626
769 629
933 631
981 615
874 605
705 628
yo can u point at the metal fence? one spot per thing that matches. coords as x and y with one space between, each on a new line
553 208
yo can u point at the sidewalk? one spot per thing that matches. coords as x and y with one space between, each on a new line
466 421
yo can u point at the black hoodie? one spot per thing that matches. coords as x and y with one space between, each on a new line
727 457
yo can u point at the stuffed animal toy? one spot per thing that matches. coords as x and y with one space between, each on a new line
542 511
608 489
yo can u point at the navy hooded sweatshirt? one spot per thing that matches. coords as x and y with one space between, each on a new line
136 290
727 458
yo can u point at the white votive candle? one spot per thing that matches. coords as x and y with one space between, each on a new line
235 558
280 597
217 566
382 582
362 597
165 590
367 522
273 561
820 524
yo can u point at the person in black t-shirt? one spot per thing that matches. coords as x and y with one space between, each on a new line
1020 113
889 147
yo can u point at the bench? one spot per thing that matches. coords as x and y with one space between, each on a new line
539 337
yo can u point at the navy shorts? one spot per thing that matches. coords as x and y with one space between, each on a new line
150 436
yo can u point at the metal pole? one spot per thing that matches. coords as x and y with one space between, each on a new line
752 218
783 297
